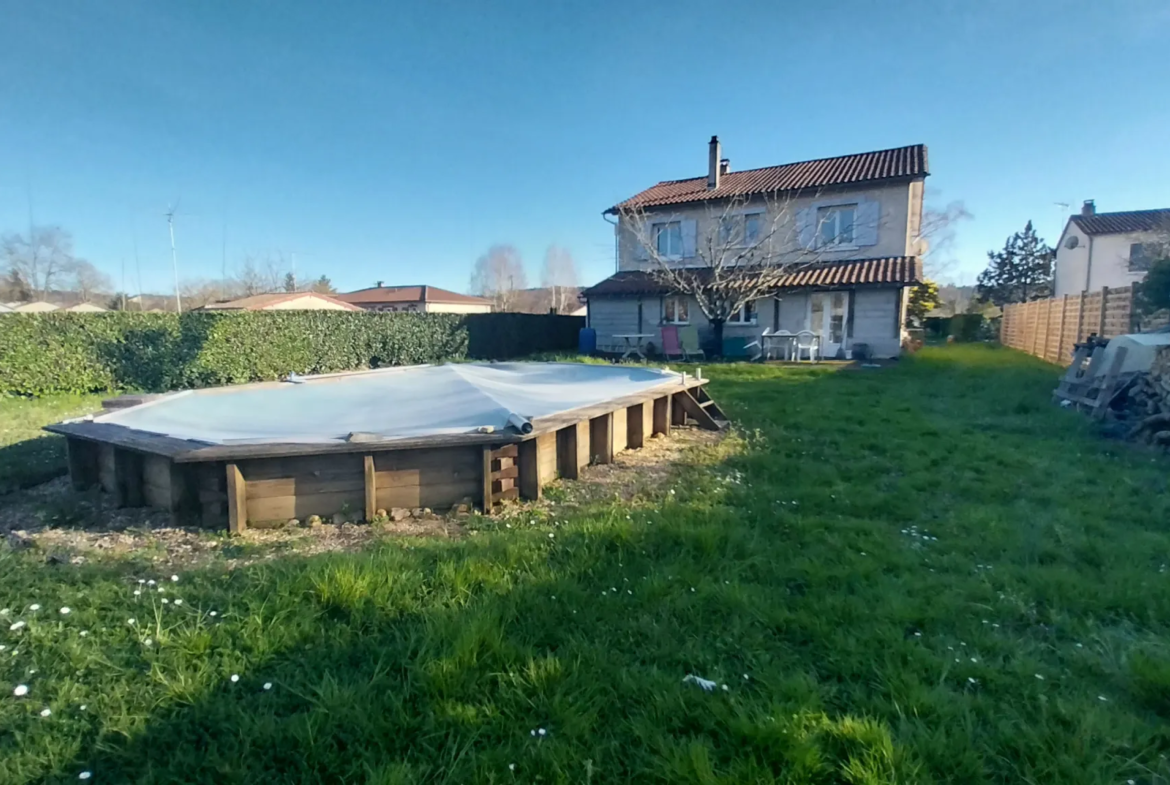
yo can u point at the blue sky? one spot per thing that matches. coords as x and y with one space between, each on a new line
399 144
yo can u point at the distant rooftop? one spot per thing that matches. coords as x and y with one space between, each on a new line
1124 222
410 294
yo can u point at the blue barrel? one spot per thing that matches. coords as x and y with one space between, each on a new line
587 340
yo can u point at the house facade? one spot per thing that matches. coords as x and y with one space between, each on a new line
415 299
847 228
1098 250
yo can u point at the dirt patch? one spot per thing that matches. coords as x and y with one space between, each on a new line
71 527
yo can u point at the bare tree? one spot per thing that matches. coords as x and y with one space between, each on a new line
88 280
499 275
40 258
743 247
197 292
559 276
936 234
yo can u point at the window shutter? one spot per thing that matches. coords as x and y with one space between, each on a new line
865 225
640 252
690 231
806 227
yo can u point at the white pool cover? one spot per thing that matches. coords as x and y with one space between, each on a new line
393 403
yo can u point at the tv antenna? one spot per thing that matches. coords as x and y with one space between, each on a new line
174 257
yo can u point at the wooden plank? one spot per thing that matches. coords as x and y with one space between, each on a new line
84 471
306 485
499 486
463 457
323 466
485 484
537 465
635 436
506 451
601 439
647 420
500 464
237 499
529 480
568 464
371 489
661 415
438 497
619 429
511 472
301 506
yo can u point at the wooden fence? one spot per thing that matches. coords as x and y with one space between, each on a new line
1050 328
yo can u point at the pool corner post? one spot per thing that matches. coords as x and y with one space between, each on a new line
237 494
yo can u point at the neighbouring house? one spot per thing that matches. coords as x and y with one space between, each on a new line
1108 249
86 308
283 301
415 299
856 216
6 308
38 306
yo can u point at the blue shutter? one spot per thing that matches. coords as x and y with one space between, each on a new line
806 227
865 224
690 232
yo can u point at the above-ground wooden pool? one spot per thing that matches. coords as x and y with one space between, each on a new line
355 443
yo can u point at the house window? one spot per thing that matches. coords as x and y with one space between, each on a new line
668 239
835 224
745 315
740 230
1139 257
675 310
752 226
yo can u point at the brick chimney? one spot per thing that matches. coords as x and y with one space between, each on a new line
713 164
1088 208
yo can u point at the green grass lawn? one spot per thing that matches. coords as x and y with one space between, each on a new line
925 573
28 455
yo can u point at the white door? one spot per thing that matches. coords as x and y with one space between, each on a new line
826 318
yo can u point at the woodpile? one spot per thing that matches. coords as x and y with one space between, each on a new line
1147 402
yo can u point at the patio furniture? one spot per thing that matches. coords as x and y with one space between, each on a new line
634 343
670 342
688 338
808 342
782 340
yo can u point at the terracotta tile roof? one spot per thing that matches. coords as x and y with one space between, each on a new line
410 294
258 302
890 164
1121 223
886 271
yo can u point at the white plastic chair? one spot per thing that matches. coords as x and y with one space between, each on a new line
807 341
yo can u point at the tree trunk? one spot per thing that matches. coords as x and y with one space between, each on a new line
717 341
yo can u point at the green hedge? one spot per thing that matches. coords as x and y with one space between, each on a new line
79 353
965 327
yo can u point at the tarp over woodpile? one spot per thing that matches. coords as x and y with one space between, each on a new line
391 403
1140 350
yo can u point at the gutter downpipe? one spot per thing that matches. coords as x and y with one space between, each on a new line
616 247
1089 264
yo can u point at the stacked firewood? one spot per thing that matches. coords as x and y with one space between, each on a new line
1148 402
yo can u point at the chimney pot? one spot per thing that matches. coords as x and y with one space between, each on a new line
1088 208
713 163
379 284
724 165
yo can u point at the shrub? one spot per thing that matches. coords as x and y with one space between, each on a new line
80 353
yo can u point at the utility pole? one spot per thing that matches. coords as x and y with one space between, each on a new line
174 259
